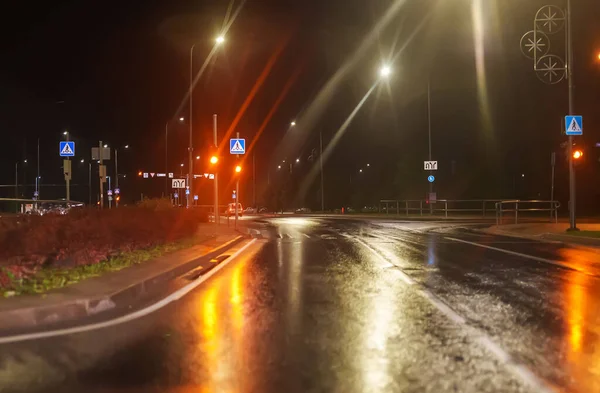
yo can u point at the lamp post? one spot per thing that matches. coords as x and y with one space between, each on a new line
218 41
181 119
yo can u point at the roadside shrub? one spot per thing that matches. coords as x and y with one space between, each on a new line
88 236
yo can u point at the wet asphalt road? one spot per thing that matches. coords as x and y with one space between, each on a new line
320 305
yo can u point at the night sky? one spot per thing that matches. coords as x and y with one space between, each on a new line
117 71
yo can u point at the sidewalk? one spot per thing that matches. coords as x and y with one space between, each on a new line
107 292
589 234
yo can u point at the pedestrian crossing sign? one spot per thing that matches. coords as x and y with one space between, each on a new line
67 149
574 125
237 146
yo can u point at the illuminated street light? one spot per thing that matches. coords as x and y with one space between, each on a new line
297 160
385 71
214 160
65 132
278 166
181 165
220 39
197 157
126 146
360 170
25 161
82 161
293 123
577 154
238 168
105 146
181 118
368 165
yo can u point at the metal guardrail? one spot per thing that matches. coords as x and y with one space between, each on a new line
515 206
443 206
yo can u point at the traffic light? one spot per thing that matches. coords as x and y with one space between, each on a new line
140 173
577 154
238 168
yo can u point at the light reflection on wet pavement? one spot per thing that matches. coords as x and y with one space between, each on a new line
312 308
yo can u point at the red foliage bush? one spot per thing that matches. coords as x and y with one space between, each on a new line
86 236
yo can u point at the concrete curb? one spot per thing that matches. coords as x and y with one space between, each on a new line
572 241
38 316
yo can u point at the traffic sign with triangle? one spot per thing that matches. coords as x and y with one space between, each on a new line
237 146
67 149
574 125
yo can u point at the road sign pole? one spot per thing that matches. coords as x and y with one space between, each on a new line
429 133
216 185
100 175
116 176
572 196
237 189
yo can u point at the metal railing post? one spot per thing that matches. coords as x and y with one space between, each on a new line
446 208
516 212
421 207
387 209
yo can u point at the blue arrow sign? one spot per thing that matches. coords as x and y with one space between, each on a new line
430 178
117 191
66 149
187 191
176 195
574 125
237 146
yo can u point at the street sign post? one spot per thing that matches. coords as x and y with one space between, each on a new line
237 146
117 191
67 149
430 165
574 125
430 178
109 192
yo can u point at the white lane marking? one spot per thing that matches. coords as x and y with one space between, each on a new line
289 236
306 235
532 257
407 280
518 369
128 317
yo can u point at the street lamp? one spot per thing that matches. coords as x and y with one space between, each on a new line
181 119
214 160
385 71
197 157
297 160
293 123
218 41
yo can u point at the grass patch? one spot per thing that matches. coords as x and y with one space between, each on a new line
592 234
53 278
